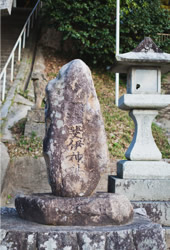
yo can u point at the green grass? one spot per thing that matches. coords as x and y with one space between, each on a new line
161 141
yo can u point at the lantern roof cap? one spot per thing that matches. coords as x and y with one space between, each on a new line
146 54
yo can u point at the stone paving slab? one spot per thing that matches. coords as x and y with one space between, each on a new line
139 234
141 190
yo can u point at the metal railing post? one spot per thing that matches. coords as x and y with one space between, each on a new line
12 67
32 23
36 12
24 34
4 86
14 3
19 50
28 29
20 44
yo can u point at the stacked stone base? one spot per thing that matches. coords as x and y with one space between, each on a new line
35 123
148 189
19 234
100 209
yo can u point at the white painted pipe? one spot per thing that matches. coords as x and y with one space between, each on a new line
117 89
117 49
12 67
15 3
117 26
24 34
4 86
19 50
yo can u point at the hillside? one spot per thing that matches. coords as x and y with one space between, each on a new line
118 125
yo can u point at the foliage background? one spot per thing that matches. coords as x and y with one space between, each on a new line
91 25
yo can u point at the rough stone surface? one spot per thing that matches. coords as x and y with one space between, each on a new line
140 234
158 211
38 78
75 147
144 101
147 45
143 146
35 122
143 170
4 162
24 175
167 237
100 209
141 190
22 100
16 113
37 115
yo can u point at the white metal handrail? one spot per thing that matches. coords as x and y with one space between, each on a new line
162 37
20 43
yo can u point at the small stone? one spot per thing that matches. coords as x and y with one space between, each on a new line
100 209
75 147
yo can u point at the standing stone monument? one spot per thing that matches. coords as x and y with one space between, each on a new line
144 177
76 153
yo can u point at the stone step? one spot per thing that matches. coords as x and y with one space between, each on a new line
137 190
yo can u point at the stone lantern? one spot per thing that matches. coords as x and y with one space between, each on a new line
144 177
143 99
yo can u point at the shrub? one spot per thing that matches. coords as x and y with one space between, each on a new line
91 25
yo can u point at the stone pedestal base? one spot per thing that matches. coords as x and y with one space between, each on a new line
143 170
20 234
140 189
101 209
